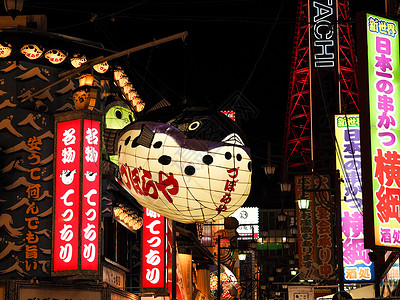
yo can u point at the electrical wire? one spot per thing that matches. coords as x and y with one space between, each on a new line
263 49
354 199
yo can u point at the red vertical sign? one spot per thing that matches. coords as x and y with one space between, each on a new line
91 198
66 210
153 260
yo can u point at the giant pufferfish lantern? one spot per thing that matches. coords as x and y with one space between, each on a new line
193 168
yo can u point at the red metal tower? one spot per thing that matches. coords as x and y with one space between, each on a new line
297 142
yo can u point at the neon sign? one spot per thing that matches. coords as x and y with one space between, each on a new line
153 259
77 197
356 263
323 33
91 195
384 101
66 206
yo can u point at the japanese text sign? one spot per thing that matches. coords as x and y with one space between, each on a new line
154 249
66 209
77 196
91 197
356 263
248 222
323 32
384 100
316 247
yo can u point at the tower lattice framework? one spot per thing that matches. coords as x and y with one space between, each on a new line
297 135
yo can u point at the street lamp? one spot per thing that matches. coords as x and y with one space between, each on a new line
303 203
242 256
13 7
269 168
286 186
282 217
293 230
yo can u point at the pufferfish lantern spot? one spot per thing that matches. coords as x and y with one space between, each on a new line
194 167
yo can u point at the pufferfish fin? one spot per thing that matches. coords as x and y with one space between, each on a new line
110 137
233 139
145 137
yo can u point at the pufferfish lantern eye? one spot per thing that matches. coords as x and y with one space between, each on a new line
118 114
194 125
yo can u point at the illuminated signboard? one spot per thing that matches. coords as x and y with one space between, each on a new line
316 231
77 195
248 222
154 249
66 208
380 130
230 114
91 194
356 263
323 32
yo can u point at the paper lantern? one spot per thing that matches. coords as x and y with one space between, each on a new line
55 56
194 168
118 73
86 80
101 67
124 80
77 60
133 97
127 88
5 50
31 51
139 106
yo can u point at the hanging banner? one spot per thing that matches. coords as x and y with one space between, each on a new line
379 86
356 263
316 245
154 249
66 204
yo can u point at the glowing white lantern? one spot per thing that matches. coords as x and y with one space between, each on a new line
31 51
140 106
118 73
138 224
200 172
128 88
133 97
123 81
5 50
101 67
86 80
77 60
55 56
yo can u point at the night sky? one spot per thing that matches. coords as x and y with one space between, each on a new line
233 47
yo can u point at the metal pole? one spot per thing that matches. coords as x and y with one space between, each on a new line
338 227
95 61
173 262
219 268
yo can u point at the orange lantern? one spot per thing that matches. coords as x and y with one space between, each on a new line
101 67
5 50
31 51
77 61
55 56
